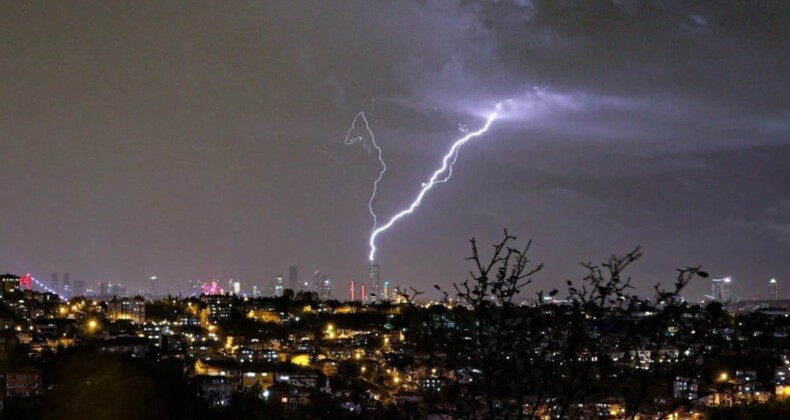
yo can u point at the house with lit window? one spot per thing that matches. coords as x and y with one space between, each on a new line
137 347
24 382
217 390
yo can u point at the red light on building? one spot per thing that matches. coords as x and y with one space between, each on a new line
26 282
362 293
351 290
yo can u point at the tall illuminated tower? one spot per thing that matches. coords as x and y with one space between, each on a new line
773 289
375 283
67 284
322 285
726 289
279 285
152 283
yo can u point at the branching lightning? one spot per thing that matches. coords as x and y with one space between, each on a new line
352 140
441 175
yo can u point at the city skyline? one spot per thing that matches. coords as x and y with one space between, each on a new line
449 209
722 289
208 143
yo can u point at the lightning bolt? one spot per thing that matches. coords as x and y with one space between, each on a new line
352 140
447 169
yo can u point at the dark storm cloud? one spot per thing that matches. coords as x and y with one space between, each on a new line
205 139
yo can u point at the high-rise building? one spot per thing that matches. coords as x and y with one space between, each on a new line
385 292
726 289
310 284
152 282
219 306
293 278
109 289
375 284
279 285
722 289
325 287
54 282
79 288
255 292
773 289
351 290
363 293
715 292
321 285
131 309
66 291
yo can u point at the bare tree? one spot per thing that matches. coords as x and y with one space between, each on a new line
490 353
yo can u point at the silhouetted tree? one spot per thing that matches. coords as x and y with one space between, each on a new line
500 356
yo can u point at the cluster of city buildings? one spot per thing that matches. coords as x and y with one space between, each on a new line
369 290
286 349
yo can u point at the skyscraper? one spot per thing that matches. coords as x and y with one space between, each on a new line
54 282
279 286
152 281
722 289
321 285
315 286
66 285
293 278
773 289
325 287
375 284
79 288
726 289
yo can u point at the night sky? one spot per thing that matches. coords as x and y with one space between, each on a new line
198 140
